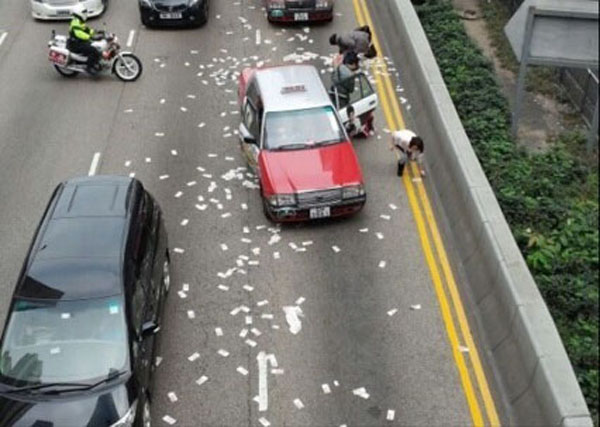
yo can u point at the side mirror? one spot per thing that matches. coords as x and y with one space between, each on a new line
246 135
149 328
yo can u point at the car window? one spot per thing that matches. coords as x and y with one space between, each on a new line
150 223
60 341
251 119
252 93
356 94
138 307
301 128
365 86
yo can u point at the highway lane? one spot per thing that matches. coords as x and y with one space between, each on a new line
347 340
50 126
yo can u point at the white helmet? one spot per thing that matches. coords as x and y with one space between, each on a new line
80 12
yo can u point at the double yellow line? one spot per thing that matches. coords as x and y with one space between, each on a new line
428 231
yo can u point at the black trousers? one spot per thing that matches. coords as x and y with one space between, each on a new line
85 49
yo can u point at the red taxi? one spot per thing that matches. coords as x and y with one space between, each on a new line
299 10
293 139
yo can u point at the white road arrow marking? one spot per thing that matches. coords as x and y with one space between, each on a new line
263 387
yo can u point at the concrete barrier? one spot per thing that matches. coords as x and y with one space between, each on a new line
530 365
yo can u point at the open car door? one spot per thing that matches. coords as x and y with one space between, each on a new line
363 98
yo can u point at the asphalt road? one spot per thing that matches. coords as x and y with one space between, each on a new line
174 128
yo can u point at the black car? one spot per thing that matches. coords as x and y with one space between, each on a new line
77 348
174 12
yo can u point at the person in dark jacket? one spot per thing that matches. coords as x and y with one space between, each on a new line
342 77
358 41
80 38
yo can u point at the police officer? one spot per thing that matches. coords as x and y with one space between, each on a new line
80 38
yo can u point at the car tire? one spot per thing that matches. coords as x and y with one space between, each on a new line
65 72
167 274
145 22
266 211
203 16
146 420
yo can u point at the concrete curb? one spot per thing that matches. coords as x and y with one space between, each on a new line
530 362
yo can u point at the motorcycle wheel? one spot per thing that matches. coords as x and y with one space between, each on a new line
65 71
128 67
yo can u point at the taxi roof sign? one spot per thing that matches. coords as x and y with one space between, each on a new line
293 89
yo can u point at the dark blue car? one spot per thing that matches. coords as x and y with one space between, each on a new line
77 348
190 13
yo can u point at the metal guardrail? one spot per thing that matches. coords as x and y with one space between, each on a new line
582 89
529 362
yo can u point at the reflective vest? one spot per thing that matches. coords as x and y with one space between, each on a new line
80 31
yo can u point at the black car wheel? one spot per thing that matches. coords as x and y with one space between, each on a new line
146 414
203 16
145 21
166 275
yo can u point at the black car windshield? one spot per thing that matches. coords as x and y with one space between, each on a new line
301 128
79 341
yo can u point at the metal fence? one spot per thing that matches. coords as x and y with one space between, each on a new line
581 85
582 89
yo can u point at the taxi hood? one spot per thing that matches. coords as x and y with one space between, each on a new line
286 172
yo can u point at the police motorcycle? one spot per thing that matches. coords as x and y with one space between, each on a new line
125 65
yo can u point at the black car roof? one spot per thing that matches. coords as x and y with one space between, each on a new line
79 248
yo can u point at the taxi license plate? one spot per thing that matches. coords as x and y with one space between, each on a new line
324 212
303 16
175 15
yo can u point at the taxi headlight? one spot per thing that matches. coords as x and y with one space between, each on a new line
353 191
282 200
127 419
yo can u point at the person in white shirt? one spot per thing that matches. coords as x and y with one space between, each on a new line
355 127
409 147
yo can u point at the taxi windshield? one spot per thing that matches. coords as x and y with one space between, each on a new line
64 341
288 130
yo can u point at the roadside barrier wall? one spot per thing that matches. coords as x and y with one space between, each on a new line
528 359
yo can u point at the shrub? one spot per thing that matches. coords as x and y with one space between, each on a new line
550 200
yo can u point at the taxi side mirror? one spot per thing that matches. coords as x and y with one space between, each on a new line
246 135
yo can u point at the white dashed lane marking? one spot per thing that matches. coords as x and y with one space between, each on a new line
94 165
130 38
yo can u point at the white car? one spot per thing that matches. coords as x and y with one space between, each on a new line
62 9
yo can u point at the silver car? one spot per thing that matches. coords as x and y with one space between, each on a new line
62 9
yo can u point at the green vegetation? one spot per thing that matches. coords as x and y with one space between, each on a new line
550 199
542 80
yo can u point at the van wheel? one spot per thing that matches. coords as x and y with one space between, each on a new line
146 414
166 275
